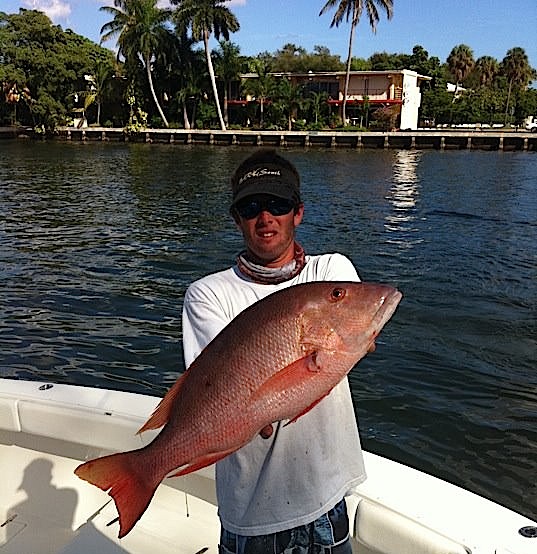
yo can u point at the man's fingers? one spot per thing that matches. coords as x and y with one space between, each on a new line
266 432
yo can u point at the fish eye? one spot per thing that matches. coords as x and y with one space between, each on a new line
337 294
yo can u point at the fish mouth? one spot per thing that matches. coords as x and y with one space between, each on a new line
388 304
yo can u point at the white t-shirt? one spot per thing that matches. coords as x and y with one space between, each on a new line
304 468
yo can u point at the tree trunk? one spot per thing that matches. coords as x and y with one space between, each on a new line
213 79
349 60
193 118
508 100
185 116
226 108
150 79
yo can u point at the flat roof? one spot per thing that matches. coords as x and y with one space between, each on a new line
339 74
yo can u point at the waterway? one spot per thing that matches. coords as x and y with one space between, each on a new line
99 241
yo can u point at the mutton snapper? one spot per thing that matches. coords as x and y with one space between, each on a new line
275 361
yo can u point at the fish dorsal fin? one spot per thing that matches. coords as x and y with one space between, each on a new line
162 412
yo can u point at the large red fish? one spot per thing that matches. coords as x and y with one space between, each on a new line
274 362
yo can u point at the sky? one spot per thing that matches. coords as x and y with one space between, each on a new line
488 27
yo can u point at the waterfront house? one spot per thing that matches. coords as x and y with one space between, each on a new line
368 91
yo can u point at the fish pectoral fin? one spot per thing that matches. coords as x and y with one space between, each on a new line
203 461
289 376
161 415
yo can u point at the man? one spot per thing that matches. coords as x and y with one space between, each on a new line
284 491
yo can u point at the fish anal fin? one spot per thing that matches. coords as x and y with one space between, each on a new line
298 371
203 461
162 412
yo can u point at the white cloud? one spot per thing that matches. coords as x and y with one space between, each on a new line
55 9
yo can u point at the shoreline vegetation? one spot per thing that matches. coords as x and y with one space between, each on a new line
162 78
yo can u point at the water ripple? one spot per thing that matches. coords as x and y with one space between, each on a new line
99 241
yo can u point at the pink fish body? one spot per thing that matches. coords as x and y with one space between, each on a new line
273 362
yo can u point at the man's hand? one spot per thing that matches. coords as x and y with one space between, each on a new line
266 432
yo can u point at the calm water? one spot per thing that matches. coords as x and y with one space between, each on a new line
99 241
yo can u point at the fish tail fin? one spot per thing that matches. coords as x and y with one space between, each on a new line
120 476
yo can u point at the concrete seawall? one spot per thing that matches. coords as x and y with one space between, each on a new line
434 139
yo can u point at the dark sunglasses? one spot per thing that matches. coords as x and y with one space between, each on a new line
250 208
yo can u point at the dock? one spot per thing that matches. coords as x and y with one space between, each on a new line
422 139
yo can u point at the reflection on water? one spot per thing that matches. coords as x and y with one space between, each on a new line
99 241
405 166
404 194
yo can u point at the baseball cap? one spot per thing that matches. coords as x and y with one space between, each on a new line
272 175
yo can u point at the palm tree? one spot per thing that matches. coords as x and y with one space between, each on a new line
140 28
262 86
206 17
98 83
317 102
290 99
229 64
517 69
352 9
460 63
487 68
189 74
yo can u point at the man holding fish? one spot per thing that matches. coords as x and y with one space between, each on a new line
284 493
268 344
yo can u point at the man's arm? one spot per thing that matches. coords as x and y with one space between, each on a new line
203 319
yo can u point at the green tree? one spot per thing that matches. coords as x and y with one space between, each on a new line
317 104
422 63
487 68
352 10
140 27
323 60
460 63
98 84
360 64
518 71
290 99
260 87
383 61
229 64
289 58
46 64
206 17
191 74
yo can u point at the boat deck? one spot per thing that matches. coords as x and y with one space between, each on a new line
45 432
